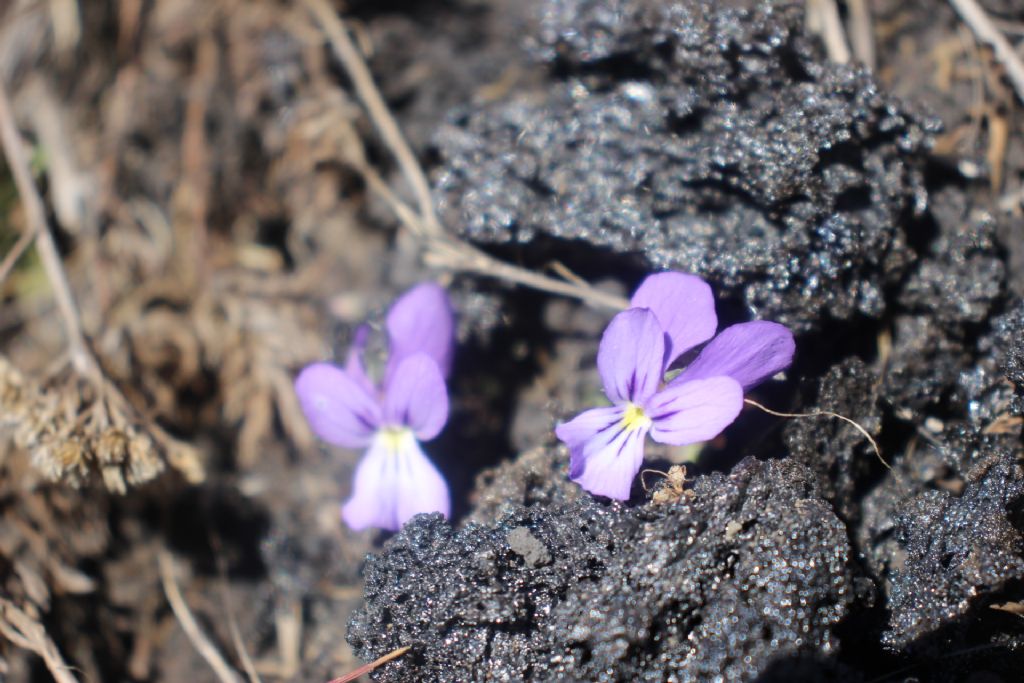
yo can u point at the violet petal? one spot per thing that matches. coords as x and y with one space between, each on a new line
339 410
606 464
393 482
421 321
683 304
748 352
416 397
631 356
354 361
690 412
588 424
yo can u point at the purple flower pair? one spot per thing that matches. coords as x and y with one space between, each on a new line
669 314
345 407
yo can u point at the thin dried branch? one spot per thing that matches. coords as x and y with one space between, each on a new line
17 161
441 249
862 34
202 643
67 25
985 30
346 51
459 256
823 19
367 668
191 200
72 190
16 252
25 632
229 611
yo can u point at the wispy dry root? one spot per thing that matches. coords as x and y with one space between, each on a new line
21 629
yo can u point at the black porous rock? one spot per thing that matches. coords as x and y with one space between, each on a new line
475 603
537 477
921 366
962 273
751 570
960 552
840 456
1009 350
708 137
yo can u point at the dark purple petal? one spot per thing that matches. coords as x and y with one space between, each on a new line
683 304
393 482
749 353
354 361
421 321
631 356
339 410
416 397
606 464
690 412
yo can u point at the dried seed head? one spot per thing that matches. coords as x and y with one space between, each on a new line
113 479
112 447
673 488
144 462
65 429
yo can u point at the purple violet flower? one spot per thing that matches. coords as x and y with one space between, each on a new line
670 314
345 407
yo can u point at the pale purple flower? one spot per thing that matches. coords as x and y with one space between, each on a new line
346 407
670 314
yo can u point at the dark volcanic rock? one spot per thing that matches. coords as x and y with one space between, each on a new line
711 137
960 550
838 454
942 307
537 477
962 273
469 603
707 136
1008 343
750 570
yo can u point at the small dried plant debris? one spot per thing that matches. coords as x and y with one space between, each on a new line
673 488
75 430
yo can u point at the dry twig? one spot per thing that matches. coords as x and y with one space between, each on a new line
229 611
975 17
27 633
17 161
16 252
367 668
862 38
362 80
441 249
823 19
202 643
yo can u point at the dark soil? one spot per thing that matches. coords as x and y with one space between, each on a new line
201 163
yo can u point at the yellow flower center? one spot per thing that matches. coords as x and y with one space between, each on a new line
635 418
395 438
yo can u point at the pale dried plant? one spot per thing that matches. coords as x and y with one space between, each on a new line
76 430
